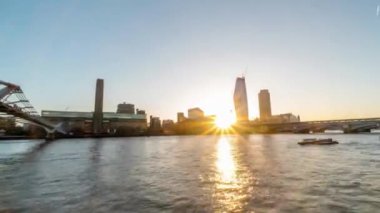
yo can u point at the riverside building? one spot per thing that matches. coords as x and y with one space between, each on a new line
240 100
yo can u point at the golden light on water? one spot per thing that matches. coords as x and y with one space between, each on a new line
225 163
232 188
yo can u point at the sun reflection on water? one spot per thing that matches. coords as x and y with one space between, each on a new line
232 183
225 162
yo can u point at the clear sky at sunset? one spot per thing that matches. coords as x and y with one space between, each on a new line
319 59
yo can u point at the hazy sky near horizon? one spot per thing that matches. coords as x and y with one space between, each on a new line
319 59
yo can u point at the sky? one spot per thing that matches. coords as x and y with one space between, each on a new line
319 59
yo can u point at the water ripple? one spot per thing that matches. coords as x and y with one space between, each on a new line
257 173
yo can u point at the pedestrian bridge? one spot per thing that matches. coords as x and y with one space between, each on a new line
14 102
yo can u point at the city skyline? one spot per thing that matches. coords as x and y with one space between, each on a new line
320 61
189 106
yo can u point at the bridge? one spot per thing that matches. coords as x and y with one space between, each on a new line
14 102
345 125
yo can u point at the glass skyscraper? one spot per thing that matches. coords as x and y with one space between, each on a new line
240 100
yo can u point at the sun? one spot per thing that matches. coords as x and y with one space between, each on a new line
224 121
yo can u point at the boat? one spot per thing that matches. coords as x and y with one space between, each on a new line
314 141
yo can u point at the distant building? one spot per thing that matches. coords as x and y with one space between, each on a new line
98 112
266 111
167 123
264 105
155 125
155 122
140 112
81 123
126 108
283 118
195 113
240 100
180 117
203 125
122 123
168 126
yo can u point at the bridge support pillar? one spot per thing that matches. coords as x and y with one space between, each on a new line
50 136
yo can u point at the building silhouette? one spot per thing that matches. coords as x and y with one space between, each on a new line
155 125
180 117
264 105
195 123
284 118
123 122
266 111
168 126
140 112
195 113
81 123
126 108
240 100
98 112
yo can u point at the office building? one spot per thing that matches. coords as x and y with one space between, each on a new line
240 100
180 117
264 105
266 111
140 112
195 113
167 123
168 126
126 108
155 125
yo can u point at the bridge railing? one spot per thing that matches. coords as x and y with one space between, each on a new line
14 102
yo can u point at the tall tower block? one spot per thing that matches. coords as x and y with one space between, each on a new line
264 105
98 112
240 100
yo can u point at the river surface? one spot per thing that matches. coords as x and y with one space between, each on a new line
256 173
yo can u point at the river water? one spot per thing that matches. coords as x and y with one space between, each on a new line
256 173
